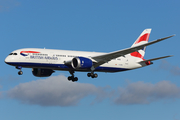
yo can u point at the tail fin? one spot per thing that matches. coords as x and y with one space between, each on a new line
143 38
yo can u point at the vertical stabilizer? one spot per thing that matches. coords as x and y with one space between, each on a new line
142 39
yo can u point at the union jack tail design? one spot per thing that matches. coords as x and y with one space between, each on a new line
142 39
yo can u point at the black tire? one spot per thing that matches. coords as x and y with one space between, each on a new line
70 78
89 74
20 73
95 75
92 76
75 79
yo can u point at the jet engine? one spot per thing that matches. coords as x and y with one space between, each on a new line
81 63
38 72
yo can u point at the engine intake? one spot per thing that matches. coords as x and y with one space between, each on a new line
38 72
81 63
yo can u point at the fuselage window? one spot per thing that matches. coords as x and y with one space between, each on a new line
60 55
72 56
40 54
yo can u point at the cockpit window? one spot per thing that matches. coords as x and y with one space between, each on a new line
13 54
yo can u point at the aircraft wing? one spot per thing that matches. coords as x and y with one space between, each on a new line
101 59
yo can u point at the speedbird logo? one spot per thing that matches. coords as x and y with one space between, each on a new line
26 53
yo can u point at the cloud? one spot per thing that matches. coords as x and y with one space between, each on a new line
53 91
6 5
174 70
145 93
58 91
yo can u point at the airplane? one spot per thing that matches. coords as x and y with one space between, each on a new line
44 62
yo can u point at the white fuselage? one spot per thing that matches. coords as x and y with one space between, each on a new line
56 59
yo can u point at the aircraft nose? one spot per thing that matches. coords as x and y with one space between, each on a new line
7 60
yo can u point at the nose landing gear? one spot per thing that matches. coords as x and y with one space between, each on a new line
19 68
20 72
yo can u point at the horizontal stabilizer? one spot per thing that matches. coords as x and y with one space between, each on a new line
155 59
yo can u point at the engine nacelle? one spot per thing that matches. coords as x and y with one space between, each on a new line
81 63
38 72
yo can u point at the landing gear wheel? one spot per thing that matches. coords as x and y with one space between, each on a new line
20 73
95 75
72 78
92 75
89 74
75 79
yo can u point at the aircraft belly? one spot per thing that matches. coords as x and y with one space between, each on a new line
64 67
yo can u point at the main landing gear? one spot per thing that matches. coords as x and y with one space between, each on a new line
19 68
92 74
72 77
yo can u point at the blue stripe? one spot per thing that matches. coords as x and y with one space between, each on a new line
23 54
64 67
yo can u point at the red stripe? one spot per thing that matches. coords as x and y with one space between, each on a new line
136 54
29 52
144 37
